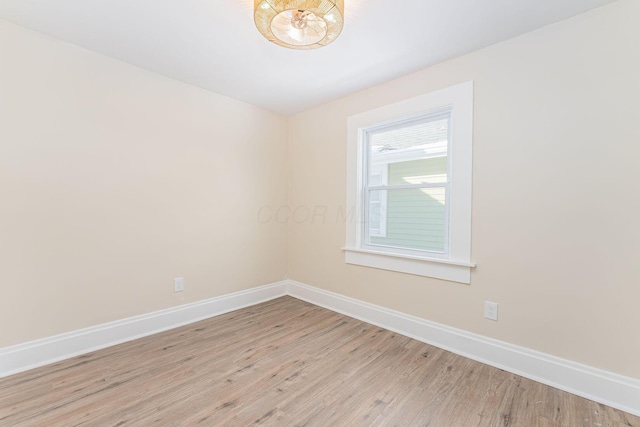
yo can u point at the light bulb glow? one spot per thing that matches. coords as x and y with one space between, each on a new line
300 19
298 27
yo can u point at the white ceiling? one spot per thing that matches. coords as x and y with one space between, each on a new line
213 44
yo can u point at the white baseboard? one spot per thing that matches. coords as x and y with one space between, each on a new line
601 386
42 352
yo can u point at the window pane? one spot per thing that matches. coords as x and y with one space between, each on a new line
414 152
425 171
411 219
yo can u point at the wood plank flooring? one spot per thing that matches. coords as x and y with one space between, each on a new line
286 362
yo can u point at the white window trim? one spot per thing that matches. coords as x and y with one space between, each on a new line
457 266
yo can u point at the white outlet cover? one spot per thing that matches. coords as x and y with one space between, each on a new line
491 310
178 284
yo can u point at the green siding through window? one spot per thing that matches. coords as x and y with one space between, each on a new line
415 218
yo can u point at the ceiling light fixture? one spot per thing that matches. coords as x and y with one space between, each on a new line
299 24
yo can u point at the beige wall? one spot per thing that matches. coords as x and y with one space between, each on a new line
114 180
556 201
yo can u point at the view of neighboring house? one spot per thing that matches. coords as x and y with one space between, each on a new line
408 184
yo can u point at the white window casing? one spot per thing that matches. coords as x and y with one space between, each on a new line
454 262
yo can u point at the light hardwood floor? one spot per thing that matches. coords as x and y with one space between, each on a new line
286 362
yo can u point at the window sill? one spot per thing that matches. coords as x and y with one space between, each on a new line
455 271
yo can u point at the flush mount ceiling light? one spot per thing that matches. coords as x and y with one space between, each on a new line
299 24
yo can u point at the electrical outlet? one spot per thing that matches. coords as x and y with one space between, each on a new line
178 284
491 310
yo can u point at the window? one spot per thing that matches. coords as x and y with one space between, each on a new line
409 178
406 210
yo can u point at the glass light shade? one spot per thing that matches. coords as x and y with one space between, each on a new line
299 24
